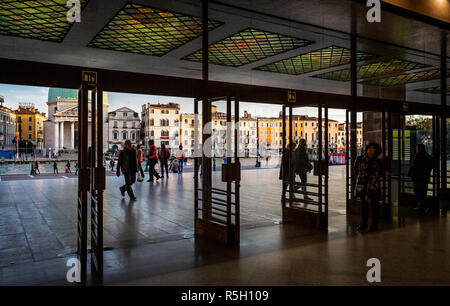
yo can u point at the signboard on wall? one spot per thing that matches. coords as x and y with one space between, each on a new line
90 77
292 96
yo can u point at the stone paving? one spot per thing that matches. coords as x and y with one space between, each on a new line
38 217
151 240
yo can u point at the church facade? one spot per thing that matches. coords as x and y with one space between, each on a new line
61 128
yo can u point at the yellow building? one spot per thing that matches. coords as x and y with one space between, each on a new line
303 127
30 123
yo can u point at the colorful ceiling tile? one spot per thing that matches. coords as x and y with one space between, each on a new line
149 31
372 70
406 78
43 20
248 46
433 90
315 60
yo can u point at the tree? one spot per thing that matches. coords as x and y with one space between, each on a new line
420 122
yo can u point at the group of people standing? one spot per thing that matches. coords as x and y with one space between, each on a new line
131 159
369 172
300 165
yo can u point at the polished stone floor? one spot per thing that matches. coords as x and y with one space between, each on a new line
151 240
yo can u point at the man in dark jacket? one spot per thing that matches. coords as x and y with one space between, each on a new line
420 174
128 164
163 156
302 165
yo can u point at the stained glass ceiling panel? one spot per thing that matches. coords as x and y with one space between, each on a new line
372 70
406 78
315 60
248 46
43 20
433 90
149 31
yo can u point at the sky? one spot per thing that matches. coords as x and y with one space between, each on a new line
15 94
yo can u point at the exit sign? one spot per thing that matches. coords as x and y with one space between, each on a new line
90 77
292 96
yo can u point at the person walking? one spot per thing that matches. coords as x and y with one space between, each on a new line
33 171
55 167
302 165
36 167
286 168
420 173
180 159
140 159
68 167
369 173
163 156
152 161
128 165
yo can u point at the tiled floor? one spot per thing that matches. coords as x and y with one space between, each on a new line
150 241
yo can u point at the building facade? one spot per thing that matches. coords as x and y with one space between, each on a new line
161 122
7 127
61 128
30 124
123 123
342 136
187 132
248 135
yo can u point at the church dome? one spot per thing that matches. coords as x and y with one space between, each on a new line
55 94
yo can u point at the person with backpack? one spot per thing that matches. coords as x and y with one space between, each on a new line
420 173
163 156
140 159
152 161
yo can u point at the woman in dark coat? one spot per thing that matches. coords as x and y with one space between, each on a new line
369 174
287 169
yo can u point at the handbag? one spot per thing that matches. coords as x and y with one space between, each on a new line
359 188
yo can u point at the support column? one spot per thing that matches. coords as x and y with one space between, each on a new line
56 136
61 132
72 135
353 117
443 152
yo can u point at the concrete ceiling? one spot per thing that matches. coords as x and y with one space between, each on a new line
408 39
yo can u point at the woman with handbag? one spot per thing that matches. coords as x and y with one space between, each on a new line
369 174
